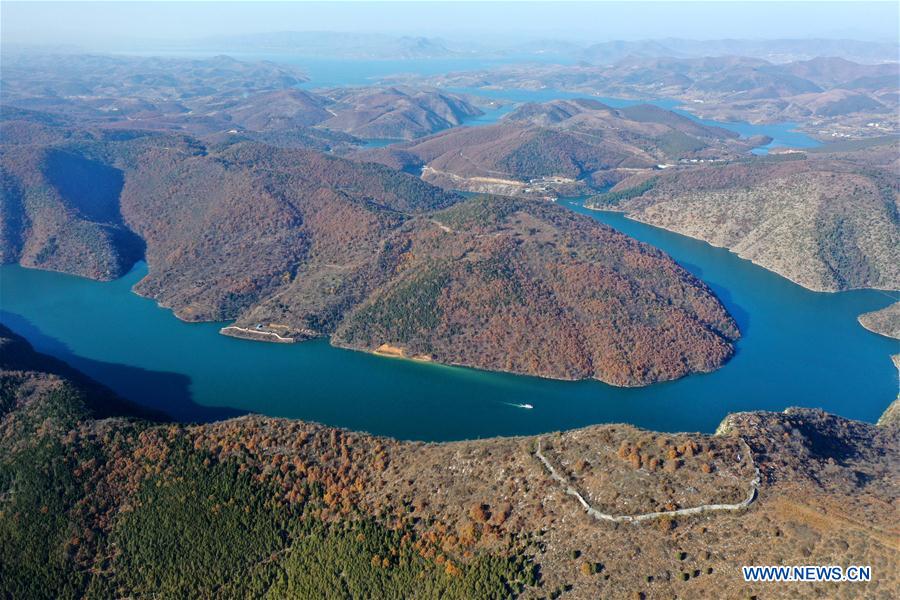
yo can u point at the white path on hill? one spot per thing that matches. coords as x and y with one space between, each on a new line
752 494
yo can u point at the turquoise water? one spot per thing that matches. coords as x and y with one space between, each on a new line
799 348
784 135
381 142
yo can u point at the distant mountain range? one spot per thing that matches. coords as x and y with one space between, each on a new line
777 51
383 46
219 95
830 96
93 77
333 44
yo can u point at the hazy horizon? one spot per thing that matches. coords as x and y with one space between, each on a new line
105 25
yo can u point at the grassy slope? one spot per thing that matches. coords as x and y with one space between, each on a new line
826 224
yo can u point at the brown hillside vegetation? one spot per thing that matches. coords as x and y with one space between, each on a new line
333 247
60 211
395 112
364 112
532 288
227 230
291 505
564 147
297 243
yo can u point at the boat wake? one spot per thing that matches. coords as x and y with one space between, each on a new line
526 406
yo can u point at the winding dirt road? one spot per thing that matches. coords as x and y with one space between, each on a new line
752 494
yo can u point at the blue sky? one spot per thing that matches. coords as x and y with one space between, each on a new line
99 23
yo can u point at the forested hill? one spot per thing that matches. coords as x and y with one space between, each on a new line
122 507
257 507
531 287
293 243
563 147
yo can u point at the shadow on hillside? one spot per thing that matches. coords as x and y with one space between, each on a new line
93 190
740 315
158 392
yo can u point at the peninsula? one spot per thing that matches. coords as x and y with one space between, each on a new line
293 243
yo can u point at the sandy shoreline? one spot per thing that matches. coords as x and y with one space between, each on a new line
397 352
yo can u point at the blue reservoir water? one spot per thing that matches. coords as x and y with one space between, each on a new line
799 348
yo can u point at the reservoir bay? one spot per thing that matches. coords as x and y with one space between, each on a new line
799 348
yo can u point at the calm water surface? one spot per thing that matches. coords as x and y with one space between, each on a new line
799 348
